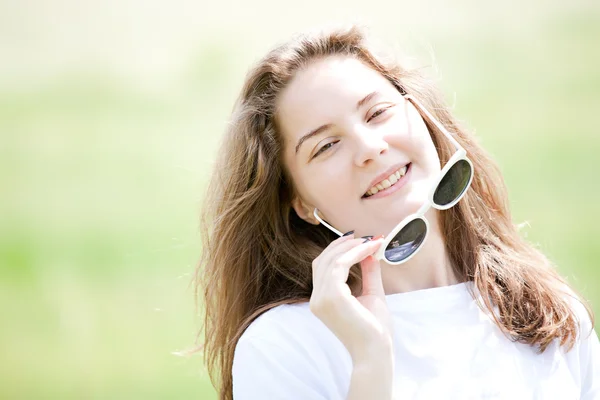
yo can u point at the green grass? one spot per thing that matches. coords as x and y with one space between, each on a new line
101 183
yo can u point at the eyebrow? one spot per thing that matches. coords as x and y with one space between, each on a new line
325 127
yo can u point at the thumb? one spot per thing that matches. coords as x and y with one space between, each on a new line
371 277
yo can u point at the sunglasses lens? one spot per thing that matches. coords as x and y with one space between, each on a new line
407 241
453 184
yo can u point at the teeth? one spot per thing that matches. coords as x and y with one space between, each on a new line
387 182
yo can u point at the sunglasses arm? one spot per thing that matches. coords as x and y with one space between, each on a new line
316 214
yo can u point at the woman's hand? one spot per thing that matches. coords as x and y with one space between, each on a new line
362 324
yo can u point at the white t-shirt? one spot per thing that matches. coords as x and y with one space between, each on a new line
445 348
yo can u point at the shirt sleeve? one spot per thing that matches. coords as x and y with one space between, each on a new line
589 356
263 370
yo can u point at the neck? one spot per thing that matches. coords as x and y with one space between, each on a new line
430 267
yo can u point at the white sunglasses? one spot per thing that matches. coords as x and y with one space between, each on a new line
405 240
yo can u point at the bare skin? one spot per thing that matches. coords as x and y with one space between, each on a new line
363 324
367 127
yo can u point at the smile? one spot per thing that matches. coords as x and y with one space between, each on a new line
390 184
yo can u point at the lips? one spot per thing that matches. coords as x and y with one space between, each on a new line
387 179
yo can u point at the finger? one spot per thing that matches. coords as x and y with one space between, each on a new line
372 283
335 249
343 238
327 268
331 255
359 253
341 267
334 244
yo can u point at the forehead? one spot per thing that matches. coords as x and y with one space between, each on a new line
320 91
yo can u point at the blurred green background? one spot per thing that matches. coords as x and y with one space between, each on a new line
110 113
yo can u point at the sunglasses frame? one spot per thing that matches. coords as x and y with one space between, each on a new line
459 155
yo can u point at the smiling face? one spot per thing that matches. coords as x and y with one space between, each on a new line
345 127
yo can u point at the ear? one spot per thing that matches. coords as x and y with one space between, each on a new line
304 211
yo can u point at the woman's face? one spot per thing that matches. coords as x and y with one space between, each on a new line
363 130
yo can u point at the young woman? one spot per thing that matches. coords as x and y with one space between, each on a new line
358 244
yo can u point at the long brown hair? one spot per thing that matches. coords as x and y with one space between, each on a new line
257 253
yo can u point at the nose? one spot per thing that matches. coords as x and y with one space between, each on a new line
369 145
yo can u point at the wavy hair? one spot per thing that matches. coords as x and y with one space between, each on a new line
257 253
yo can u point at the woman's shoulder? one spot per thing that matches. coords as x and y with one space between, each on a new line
285 319
581 310
291 334
292 329
287 352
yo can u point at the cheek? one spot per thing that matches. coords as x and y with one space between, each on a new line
415 141
327 181
321 185
425 146
413 137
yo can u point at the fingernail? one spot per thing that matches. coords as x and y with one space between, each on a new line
348 233
378 237
367 238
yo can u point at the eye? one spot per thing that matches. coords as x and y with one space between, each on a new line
324 148
379 112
